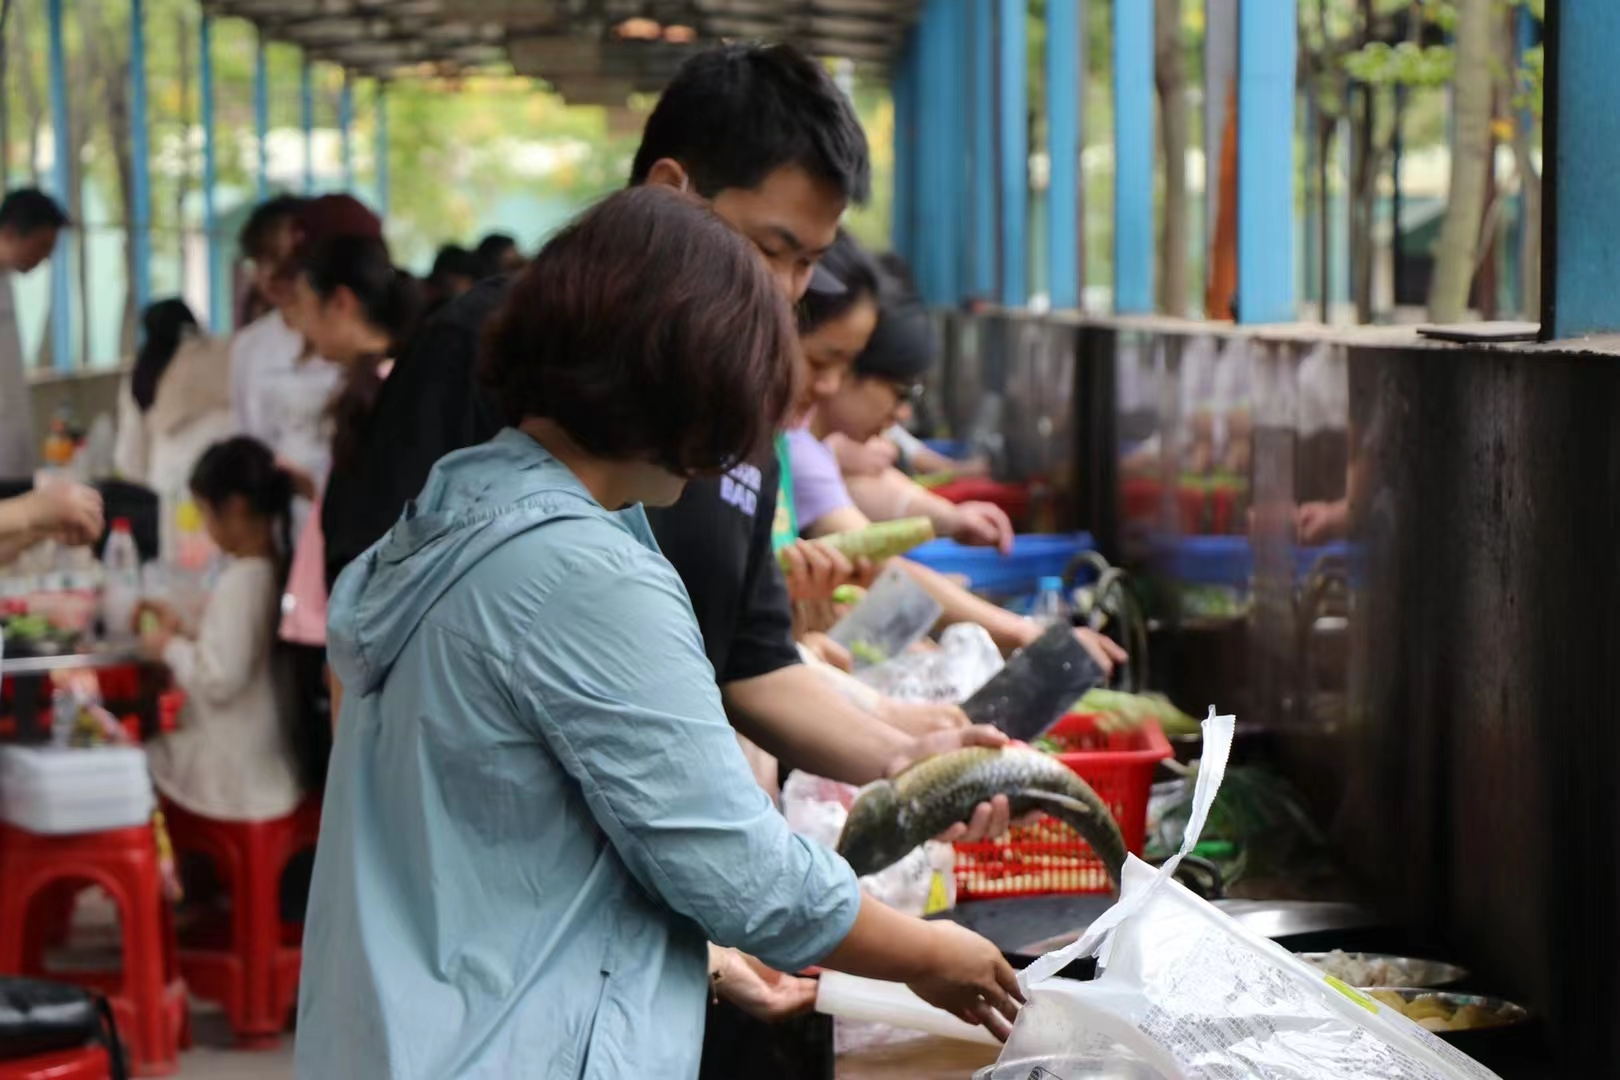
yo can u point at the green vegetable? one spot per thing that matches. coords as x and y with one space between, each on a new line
877 542
866 652
848 594
1122 712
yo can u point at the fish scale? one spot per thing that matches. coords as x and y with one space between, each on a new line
892 817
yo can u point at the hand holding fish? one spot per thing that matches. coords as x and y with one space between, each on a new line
990 818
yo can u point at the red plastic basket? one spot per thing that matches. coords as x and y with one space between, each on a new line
1012 498
1050 857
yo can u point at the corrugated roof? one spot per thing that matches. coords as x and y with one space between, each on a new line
590 51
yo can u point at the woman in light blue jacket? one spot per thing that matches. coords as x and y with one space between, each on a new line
537 813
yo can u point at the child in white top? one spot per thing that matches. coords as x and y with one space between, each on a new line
231 758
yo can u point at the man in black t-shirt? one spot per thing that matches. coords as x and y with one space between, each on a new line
766 137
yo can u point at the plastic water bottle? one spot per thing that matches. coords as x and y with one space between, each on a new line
1051 604
121 581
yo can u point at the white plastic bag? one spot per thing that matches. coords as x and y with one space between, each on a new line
1186 993
966 659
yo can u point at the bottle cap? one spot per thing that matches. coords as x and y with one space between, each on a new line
121 525
1051 583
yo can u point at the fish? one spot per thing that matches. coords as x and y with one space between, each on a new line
892 817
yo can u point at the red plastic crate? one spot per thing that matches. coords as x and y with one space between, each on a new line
1012 498
1050 857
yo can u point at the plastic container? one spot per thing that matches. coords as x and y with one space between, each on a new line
1034 556
121 582
1012 498
1049 857
853 998
893 617
58 791
1051 607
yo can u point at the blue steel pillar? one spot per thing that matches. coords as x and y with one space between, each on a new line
62 185
1064 63
381 150
261 115
1012 109
218 317
1266 47
1581 230
1133 156
139 163
345 132
981 114
306 112
939 161
903 226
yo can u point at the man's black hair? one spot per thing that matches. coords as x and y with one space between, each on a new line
491 250
27 210
735 114
264 219
453 260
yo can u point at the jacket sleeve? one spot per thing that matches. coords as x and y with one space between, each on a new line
614 675
232 639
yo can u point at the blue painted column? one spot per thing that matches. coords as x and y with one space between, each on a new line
218 316
381 150
903 225
1581 230
139 159
62 187
981 114
345 130
1266 48
939 154
1064 64
306 112
1133 156
1012 109
261 114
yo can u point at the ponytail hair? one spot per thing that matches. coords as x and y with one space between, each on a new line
389 298
163 324
245 467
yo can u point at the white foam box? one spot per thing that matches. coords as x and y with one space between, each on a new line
59 791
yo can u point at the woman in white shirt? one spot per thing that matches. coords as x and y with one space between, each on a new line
176 405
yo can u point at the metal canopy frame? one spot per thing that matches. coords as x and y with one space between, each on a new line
578 46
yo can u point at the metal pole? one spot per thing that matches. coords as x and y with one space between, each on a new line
1133 156
1063 66
382 149
1266 34
982 39
62 183
1012 73
261 114
345 125
306 93
205 93
140 164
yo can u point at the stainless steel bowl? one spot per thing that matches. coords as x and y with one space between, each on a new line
1506 1012
1409 970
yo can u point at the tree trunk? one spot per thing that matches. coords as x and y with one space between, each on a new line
1530 246
30 93
183 181
5 92
1362 107
1470 149
114 50
1171 77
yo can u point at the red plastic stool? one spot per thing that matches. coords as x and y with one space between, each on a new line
251 970
148 997
90 1063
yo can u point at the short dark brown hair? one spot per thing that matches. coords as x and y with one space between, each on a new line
649 330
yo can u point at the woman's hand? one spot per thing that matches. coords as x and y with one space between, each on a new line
980 524
1103 649
70 513
761 992
828 651
813 570
921 717
970 979
874 457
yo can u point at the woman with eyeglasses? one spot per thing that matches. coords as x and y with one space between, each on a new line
890 359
